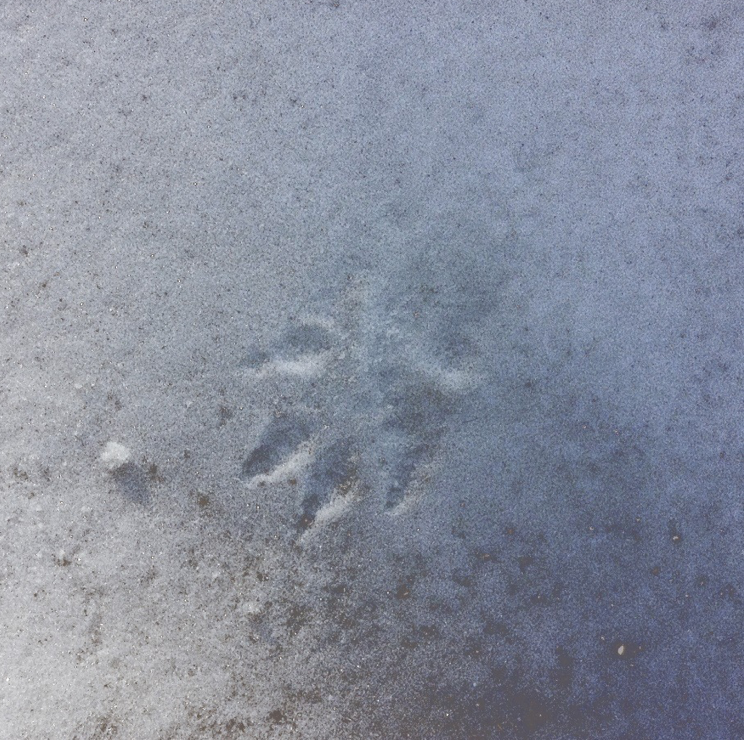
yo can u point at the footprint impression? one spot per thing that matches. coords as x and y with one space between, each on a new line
363 411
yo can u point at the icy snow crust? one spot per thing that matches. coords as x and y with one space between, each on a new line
371 370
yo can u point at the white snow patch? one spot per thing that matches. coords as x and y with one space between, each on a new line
115 455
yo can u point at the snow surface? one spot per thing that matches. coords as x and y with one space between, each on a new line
371 369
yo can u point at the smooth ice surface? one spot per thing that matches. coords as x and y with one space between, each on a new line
371 369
